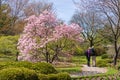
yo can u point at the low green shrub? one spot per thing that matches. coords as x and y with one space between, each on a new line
18 74
53 77
8 45
4 65
59 76
43 77
102 63
100 50
63 76
109 60
118 67
44 68
79 51
104 56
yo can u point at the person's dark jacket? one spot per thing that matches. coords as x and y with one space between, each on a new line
93 52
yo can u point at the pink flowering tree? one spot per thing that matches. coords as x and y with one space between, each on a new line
65 36
42 30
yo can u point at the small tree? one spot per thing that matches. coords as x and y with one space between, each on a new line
42 30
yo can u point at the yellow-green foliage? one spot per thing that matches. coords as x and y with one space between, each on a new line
102 63
59 76
44 68
30 71
100 50
18 74
8 44
79 51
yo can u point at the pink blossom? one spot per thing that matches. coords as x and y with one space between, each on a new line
43 29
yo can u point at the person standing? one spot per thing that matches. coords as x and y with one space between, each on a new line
93 54
87 53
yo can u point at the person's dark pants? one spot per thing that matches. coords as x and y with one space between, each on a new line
88 61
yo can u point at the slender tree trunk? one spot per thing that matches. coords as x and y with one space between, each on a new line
115 59
17 54
47 55
56 53
116 53
54 56
91 43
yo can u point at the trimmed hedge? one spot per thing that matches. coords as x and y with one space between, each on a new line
30 71
27 74
63 76
18 74
44 68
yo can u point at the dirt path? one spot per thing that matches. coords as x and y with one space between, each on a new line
94 69
86 71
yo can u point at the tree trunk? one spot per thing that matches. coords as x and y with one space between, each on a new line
47 55
56 53
116 53
47 60
91 43
17 54
115 59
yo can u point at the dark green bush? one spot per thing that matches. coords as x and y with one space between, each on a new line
18 74
104 56
44 68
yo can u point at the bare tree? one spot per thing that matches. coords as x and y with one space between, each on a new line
20 9
89 20
36 7
17 9
111 9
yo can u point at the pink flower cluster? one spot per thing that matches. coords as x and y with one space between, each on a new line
43 29
68 31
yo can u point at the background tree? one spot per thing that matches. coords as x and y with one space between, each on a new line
13 13
89 20
17 14
5 18
37 7
111 9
